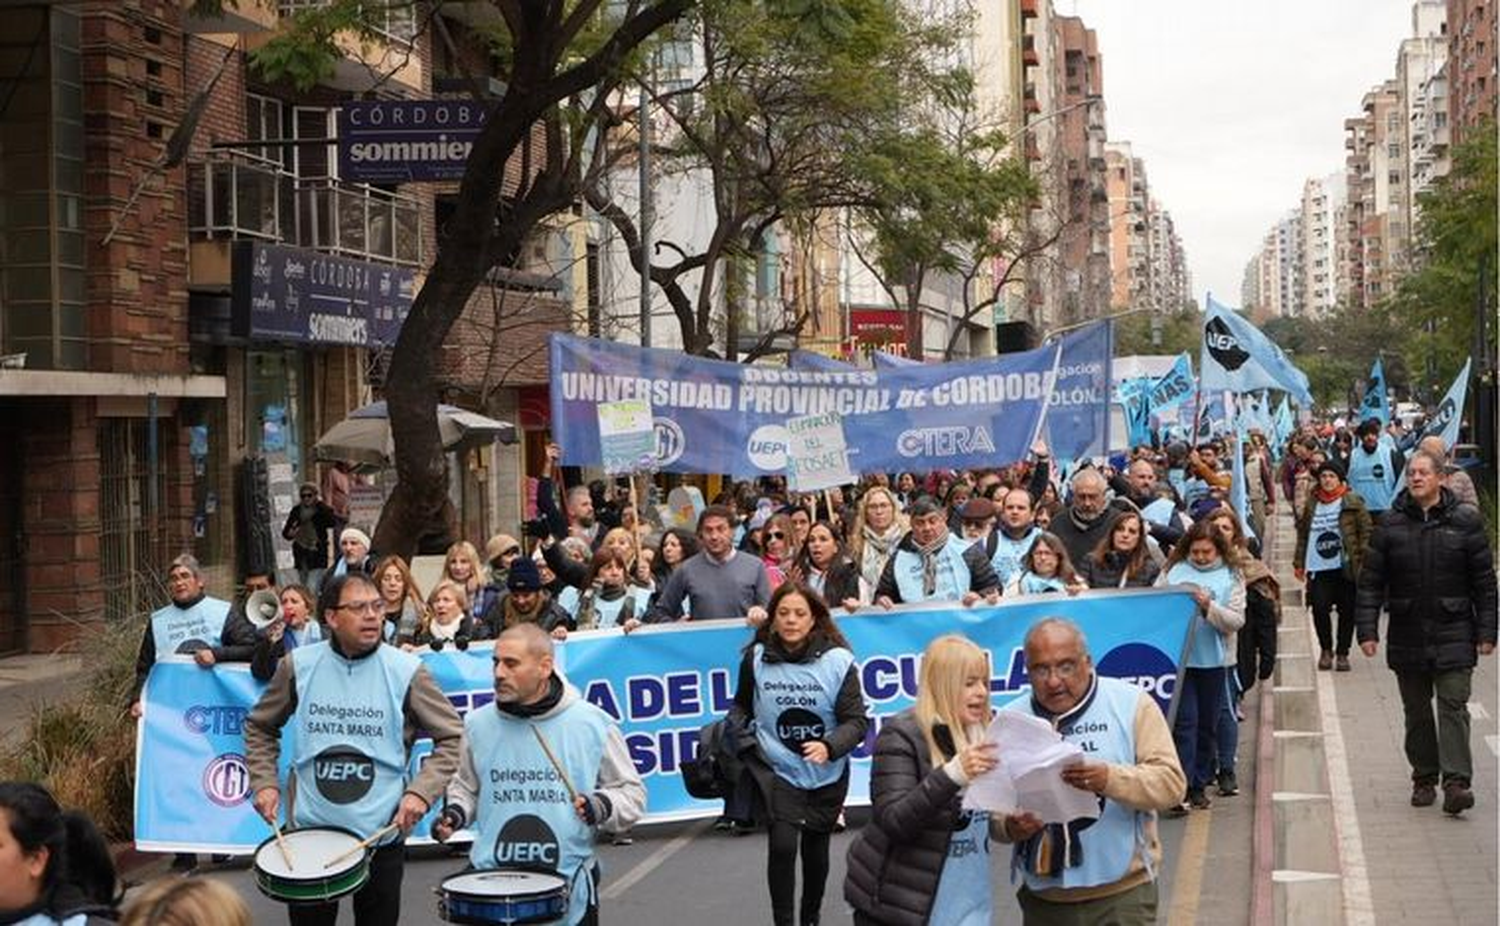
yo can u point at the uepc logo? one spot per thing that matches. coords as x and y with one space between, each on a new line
1223 346
1144 665
343 775
527 842
767 447
1441 417
1329 544
798 725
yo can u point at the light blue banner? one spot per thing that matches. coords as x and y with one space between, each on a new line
1078 418
661 683
815 362
715 417
885 360
1450 412
1175 386
1237 357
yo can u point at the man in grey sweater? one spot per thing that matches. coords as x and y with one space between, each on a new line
719 581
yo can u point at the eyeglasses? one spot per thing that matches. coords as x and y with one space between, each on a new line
309 494
775 535
1063 670
373 606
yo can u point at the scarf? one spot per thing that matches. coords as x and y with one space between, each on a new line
514 616
929 554
536 709
1335 495
1033 584
877 549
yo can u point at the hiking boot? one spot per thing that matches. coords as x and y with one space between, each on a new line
1424 794
1325 660
1198 800
1341 664
1228 785
1457 798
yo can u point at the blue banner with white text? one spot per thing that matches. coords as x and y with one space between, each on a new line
661 683
1078 418
713 417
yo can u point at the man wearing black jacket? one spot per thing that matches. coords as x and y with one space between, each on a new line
1139 486
1429 565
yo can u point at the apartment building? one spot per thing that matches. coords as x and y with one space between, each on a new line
1472 72
1421 141
1375 169
1084 243
1322 222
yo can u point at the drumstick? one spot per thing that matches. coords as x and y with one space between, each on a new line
365 844
542 741
286 854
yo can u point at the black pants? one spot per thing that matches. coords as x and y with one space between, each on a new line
781 871
1326 591
1256 643
378 903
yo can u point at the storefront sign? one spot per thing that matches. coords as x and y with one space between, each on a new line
291 294
877 326
395 141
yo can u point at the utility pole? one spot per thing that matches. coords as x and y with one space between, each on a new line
644 113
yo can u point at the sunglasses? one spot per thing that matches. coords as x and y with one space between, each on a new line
775 535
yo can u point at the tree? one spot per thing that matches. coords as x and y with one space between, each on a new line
561 63
1337 368
1455 254
1160 333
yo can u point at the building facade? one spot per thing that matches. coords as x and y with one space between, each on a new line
1472 71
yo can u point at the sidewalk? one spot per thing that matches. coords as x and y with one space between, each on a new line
1403 864
26 681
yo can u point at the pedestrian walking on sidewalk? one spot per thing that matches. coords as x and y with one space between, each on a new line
1332 534
1429 565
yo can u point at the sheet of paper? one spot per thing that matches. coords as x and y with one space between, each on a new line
1029 776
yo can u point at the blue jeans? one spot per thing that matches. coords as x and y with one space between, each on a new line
1198 703
1227 730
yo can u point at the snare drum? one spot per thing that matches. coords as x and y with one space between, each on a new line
501 896
307 880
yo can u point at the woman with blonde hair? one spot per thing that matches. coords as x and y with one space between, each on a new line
401 598
462 564
923 858
878 528
447 619
186 902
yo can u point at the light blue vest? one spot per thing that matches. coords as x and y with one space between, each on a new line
1373 476
350 762
523 817
1177 479
794 703
311 632
1106 733
965 895
1033 584
606 613
1193 489
42 919
1006 559
1208 647
1325 543
952 573
189 629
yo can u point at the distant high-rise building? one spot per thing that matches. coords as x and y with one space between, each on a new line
1472 66
1376 182
1323 203
1084 241
1419 60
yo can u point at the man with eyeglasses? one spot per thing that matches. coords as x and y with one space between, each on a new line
355 707
1086 520
1094 870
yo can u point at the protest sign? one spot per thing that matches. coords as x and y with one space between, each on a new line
627 436
816 456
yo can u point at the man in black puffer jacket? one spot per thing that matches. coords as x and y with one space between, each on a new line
1430 565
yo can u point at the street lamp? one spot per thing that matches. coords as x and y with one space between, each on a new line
1089 100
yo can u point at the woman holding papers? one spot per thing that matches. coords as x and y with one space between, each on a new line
923 858
799 696
1203 561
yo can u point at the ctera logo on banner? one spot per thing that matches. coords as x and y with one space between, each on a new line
714 417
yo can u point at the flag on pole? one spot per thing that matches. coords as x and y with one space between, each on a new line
1239 358
1375 404
1135 400
1285 424
1450 412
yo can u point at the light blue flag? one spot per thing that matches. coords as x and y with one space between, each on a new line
1214 417
1175 386
1450 412
1239 358
1375 404
1285 424
1238 497
1135 400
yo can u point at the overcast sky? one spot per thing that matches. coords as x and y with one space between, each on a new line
1233 103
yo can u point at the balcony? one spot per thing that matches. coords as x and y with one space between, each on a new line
366 62
248 16
1029 56
358 221
1030 8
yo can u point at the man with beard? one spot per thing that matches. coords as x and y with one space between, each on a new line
1374 468
931 564
1158 504
1084 522
541 730
525 602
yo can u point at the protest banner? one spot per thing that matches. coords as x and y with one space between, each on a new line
816 455
712 416
627 436
661 683
1078 416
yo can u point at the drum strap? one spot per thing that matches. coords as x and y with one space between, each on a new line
590 875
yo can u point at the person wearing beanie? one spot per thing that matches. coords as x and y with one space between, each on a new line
1333 531
354 545
525 602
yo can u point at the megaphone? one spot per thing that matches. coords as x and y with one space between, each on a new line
262 608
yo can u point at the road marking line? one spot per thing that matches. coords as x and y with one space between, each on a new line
1188 883
1359 904
1477 711
618 886
1494 743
